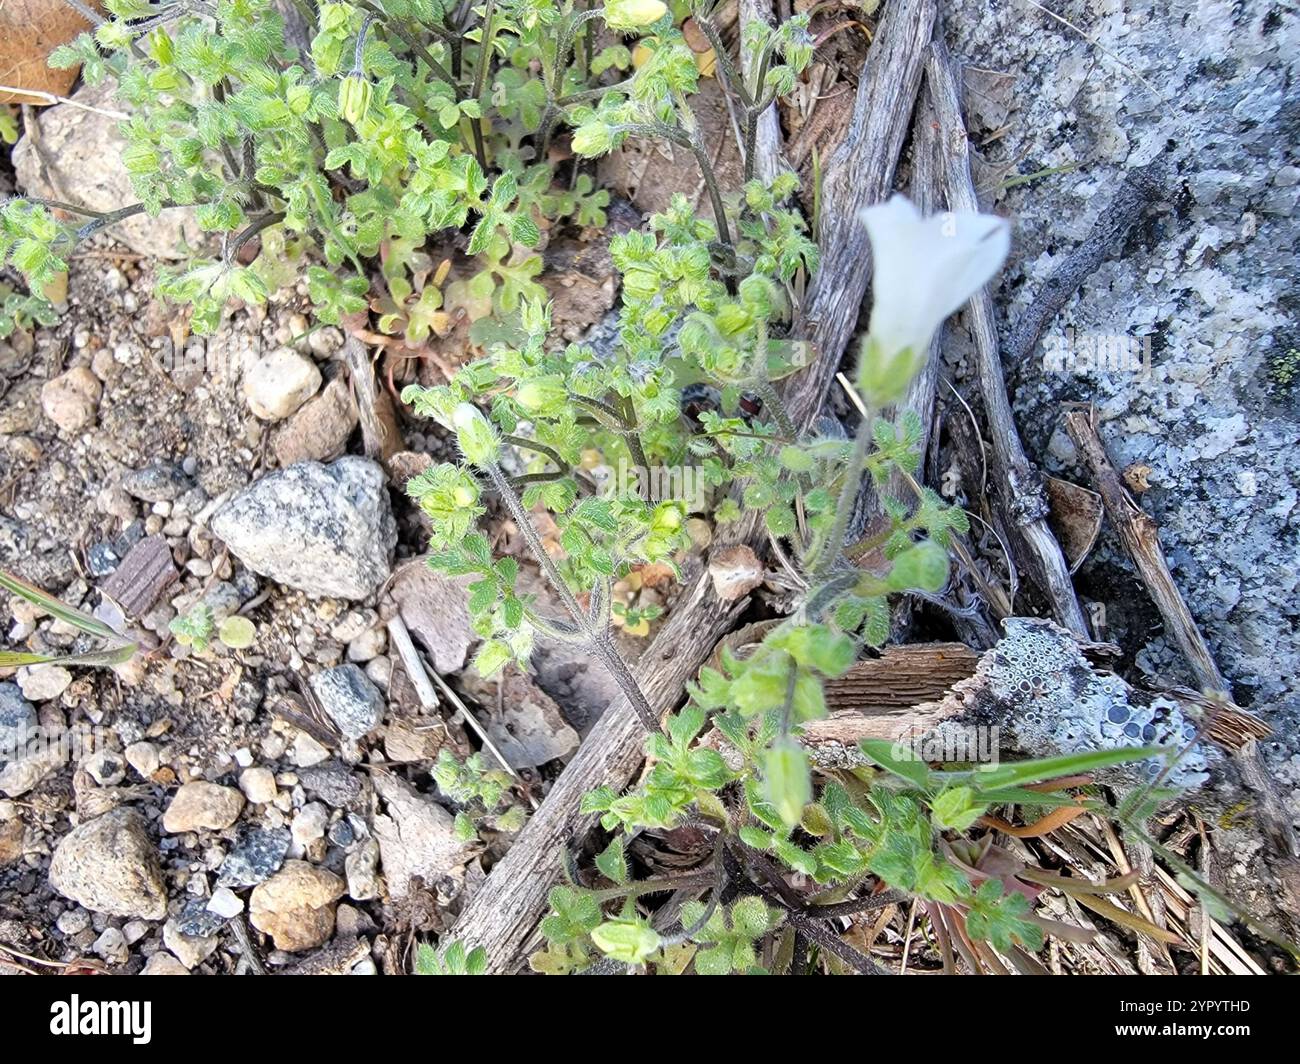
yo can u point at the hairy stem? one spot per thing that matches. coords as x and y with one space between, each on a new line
600 642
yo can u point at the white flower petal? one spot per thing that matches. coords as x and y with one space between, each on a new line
923 269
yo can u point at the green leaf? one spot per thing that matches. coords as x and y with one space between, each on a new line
612 863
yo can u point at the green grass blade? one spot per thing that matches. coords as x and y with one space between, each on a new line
54 607
117 655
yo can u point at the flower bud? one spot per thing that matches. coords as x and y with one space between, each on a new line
633 14
592 138
355 93
477 440
541 394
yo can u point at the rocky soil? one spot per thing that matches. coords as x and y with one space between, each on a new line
272 806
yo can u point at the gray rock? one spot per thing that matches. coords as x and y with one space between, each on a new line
332 783
417 837
17 718
352 701
190 950
197 920
110 865
86 147
1210 285
160 482
256 856
323 529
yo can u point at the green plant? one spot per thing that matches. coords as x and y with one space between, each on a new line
454 959
407 119
482 793
196 627
412 119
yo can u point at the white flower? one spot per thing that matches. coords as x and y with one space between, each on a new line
923 269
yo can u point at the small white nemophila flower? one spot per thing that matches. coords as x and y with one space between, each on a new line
923 269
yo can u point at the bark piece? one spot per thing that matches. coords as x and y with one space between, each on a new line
145 572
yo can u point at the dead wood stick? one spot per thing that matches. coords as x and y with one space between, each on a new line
1140 537
903 676
502 914
1141 187
1015 479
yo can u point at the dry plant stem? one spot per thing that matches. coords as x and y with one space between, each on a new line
600 641
401 639
1016 478
1141 539
501 917
1143 186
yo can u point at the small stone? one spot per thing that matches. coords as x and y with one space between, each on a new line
73 922
417 837
354 703
225 903
13 841
17 719
144 758
135 930
362 870
279 383
19 777
157 483
163 963
309 824
380 671
110 865
190 950
105 768
296 906
319 431
307 752
111 946
369 644
332 783
197 920
258 785
40 683
325 530
202 805
71 400
256 856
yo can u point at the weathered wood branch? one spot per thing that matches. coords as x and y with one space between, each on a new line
502 915
1140 537
1015 480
